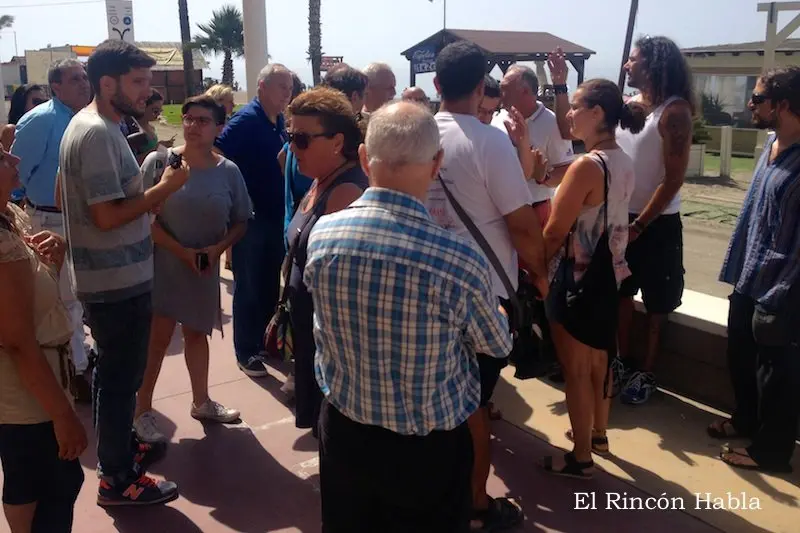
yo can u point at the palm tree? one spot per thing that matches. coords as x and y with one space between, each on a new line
6 21
315 39
224 34
186 48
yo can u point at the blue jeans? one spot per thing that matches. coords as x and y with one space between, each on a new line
257 259
122 333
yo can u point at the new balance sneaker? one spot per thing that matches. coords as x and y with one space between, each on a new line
214 412
148 453
143 491
639 388
147 429
254 368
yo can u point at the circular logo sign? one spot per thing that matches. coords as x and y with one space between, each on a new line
127 21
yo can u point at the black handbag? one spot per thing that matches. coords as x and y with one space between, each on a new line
588 307
526 350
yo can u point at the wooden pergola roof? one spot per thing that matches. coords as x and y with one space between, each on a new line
503 48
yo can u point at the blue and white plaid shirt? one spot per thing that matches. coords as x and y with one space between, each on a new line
401 307
763 259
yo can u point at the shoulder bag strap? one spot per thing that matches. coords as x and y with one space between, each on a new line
286 269
487 250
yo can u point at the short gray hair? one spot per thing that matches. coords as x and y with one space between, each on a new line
270 70
402 133
373 69
56 71
528 76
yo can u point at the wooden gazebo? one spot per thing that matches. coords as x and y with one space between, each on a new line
504 48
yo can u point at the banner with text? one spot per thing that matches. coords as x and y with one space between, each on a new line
423 59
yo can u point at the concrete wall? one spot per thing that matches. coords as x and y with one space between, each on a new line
744 140
692 361
39 63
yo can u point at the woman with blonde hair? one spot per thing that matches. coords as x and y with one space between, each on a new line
223 95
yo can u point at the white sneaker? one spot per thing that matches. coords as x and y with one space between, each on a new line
215 412
147 429
288 387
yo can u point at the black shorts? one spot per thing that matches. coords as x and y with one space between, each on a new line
656 262
32 471
490 367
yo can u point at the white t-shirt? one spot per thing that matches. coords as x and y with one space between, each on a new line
482 171
546 137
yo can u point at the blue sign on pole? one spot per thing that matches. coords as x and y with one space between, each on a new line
423 59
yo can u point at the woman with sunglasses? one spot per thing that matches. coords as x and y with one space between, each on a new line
191 231
325 137
25 98
41 437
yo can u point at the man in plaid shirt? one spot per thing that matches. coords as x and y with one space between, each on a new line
401 308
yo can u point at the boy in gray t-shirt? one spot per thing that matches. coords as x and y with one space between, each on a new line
108 227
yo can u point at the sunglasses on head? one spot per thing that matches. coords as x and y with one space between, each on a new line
38 101
758 99
303 140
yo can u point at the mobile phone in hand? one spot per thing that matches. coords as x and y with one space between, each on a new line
201 260
175 160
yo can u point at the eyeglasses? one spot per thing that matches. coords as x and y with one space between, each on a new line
303 140
189 121
758 99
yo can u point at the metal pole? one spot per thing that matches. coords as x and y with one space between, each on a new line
626 52
16 50
444 16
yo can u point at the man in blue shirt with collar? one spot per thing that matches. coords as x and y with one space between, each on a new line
762 265
36 142
252 139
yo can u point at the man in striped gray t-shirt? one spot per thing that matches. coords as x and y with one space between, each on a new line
107 215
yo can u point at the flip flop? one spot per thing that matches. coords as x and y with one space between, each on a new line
719 430
727 451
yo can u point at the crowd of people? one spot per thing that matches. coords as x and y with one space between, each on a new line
395 245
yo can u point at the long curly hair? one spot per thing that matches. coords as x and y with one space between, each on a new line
666 69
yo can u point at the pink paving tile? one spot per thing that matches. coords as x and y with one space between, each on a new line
262 475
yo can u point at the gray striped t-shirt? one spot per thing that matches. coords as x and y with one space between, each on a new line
97 166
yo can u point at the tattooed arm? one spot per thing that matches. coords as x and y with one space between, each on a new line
676 131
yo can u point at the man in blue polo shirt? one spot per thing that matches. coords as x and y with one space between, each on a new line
36 142
252 139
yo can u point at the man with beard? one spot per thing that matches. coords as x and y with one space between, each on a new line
660 154
37 138
107 216
762 266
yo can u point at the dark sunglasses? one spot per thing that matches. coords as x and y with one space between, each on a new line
38 101
758 99
303 140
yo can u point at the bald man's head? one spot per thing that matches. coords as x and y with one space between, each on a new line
415 94
402 149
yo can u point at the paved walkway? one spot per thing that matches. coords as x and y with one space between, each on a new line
262 475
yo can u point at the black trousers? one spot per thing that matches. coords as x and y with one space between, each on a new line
766 385
33 473
376 481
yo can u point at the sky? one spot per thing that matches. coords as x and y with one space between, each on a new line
379 30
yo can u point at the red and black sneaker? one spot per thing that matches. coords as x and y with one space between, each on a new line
148 453
143 491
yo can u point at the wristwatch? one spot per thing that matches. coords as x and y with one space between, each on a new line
560 89
638 226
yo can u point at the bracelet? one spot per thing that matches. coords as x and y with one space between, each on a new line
560 89
638 226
